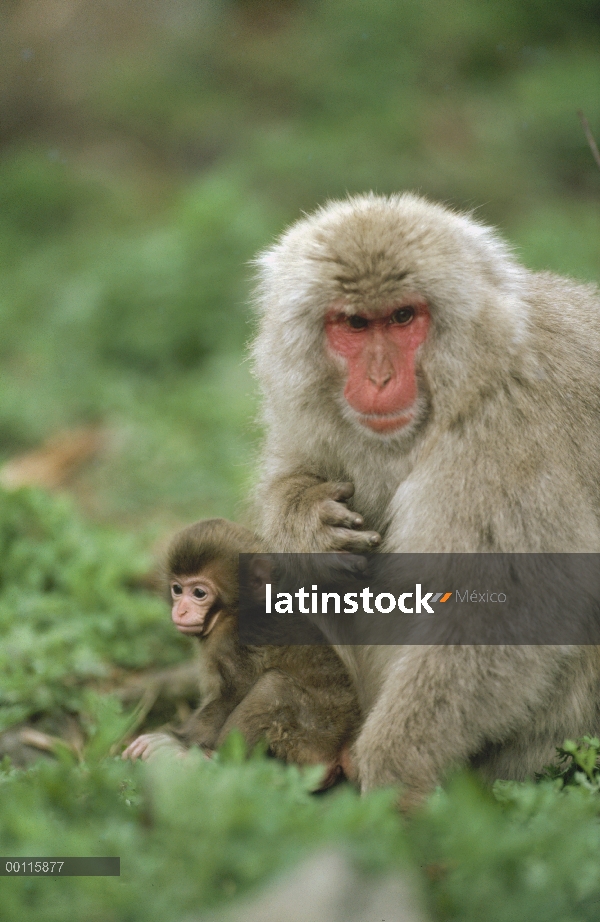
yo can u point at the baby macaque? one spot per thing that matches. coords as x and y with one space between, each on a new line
299 699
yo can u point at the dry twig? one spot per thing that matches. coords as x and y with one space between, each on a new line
590 137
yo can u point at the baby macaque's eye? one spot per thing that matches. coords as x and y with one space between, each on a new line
199 593
176 589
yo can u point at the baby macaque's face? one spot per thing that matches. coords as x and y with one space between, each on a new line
196 605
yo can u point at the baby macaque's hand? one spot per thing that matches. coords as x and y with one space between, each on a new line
148 745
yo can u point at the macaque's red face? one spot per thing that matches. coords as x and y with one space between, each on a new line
195 608
381 383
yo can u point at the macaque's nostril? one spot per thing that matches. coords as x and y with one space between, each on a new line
380 378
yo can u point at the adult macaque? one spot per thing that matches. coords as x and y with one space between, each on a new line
298 698
424 393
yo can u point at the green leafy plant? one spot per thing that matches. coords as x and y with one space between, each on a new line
71 607
578 763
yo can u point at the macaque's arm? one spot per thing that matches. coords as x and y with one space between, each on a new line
204 726
201 729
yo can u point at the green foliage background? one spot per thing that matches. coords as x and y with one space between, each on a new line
147 151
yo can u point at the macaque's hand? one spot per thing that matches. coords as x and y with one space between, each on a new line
335 526
336 770
148 745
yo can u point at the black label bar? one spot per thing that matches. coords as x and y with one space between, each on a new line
60 867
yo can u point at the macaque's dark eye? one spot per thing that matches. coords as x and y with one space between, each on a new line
403 315
199 593
176 589
357 322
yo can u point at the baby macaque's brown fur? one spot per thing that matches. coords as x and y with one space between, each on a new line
299 699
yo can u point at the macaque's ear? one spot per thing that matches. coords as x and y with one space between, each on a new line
260 572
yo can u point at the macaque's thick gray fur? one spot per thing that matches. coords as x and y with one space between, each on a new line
503 454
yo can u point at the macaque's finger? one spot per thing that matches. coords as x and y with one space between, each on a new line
342 491
347 763
332 773
148 744
346 539
351 563
334 513
135 749
164 742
